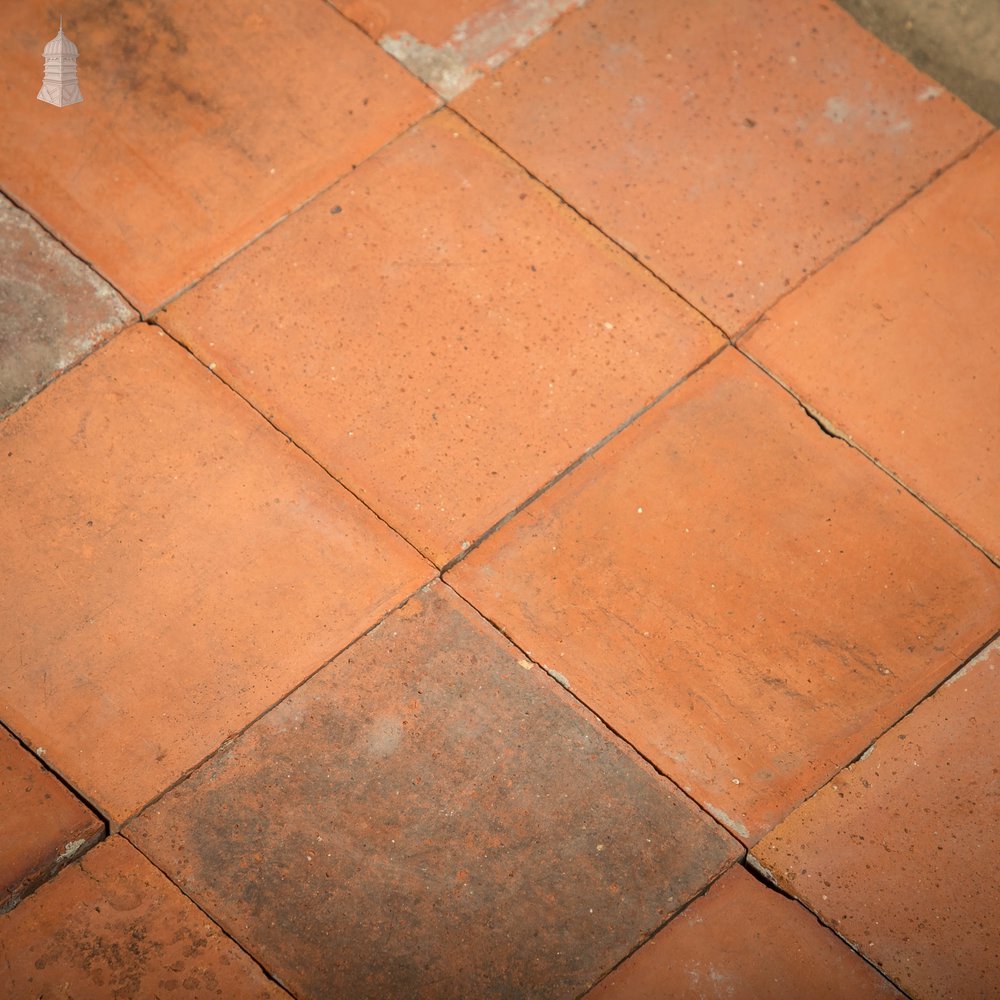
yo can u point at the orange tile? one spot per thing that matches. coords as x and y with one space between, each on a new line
200 126
42 824
442 811
742 941
441 333
53 309
450 45
173 566
113 926
746 600
733 146
895 343
898 853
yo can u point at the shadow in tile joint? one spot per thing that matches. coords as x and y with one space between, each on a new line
831 430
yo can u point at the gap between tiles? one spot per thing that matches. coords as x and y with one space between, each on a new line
902 203
232 737
590 222
832 431
557 678
82 851
208 916
760 874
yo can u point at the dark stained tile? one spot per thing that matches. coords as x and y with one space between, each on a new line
431 816
53 309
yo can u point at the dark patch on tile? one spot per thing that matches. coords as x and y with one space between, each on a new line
429 817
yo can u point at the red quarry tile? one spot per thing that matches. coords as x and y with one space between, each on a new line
441 333
896 343
42 824
450 45
53 309
742 941
748 601
898 853
733 146
200 126
113 926
442 812
173 566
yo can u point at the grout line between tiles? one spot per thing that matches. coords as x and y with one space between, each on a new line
592 713
589 453
831 430
312 458
233 737
884 217
649 937
208 916
762 875
590 222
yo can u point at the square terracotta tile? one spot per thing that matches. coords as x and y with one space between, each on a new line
895 343
440 812
173 567
743 941
441 334
733 146
54 309
113 926
746 600
898 852
200 126
43 825
449 45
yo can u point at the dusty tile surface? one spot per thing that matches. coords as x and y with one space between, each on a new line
743 941
442 334
450 45
746 600
445 814
200 126
42 824
173 566
733 147
54 310
898 853
896 344
111 926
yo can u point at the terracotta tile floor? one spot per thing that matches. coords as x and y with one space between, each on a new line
540 546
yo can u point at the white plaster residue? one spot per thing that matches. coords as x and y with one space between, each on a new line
930 93
985 654
70 849
725 820
837 110
478 44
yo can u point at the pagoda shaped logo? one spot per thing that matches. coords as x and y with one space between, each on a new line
60 86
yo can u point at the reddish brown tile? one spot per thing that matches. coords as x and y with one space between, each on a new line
898 853
450 45
113 926
746 600
42 824
442 334
742 941
444 813
895 343
200 126
173 566
53 309
733 146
